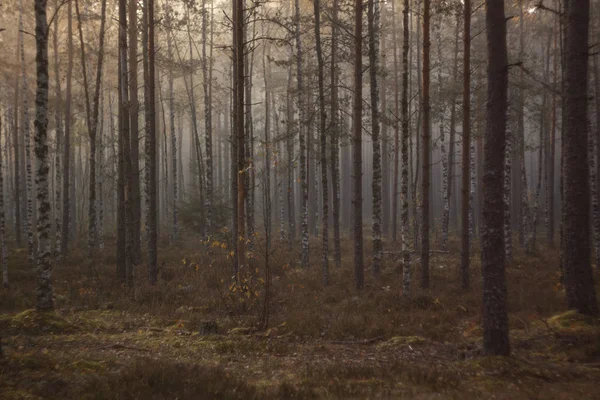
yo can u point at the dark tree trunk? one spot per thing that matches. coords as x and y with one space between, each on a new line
579 281
495 315
425 180
466 162
359 268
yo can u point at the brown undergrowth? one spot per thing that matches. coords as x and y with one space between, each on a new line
104 342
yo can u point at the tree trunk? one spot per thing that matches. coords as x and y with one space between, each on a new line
359 268
335 135
3 250
301 135
466 149
66 194
579 281
406 275
323 150
425 181
373 27
17 161
495 314
238 118
44 299
206 65
26 134
59 135
151 165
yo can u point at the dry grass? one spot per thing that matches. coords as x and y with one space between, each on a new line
322 342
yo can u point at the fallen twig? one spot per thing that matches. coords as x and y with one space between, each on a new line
364 341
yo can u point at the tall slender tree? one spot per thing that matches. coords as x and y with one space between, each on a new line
495 314
44 299
466 149
425 181
323 139
359 268
373 27
151 164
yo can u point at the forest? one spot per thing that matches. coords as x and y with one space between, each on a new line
273 199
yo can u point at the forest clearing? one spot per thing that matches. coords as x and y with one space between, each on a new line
320 343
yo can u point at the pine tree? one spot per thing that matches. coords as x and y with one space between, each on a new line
495 314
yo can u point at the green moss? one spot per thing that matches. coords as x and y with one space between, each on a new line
572 321
35 322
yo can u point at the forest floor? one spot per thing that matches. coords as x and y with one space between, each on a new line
105 342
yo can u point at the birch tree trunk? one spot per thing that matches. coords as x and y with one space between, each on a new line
373 27
406 274
44 254
17 161
25 132
301 134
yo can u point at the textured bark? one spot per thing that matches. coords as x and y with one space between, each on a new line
238 119
3 250
323 139
406 274
579 281
593 148
446 203
136 198
471 196
59 134
466 152
301 134
206 65
44 254
373 27
397 149
26 134
335 135
452 218
552 150
506 198
596 204
17 161
151 164
290 161
123 246
359 268
100 179
66 167
495 314
425 181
